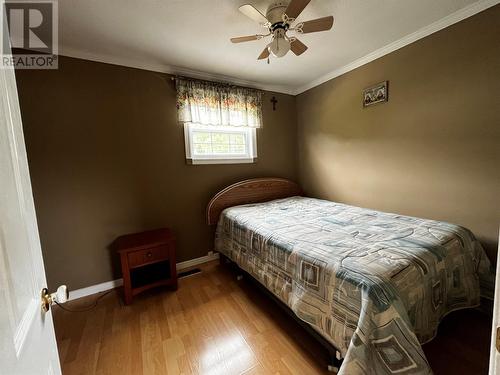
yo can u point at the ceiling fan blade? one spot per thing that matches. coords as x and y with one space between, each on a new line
298 47
248 38
296 7
264 54
249 11
320 24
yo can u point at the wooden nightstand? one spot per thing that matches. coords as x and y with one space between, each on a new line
148 261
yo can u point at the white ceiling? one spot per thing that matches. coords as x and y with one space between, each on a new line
191 37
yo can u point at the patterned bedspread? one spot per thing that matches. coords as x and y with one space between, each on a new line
374 284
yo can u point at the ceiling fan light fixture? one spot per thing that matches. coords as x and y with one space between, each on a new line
280 45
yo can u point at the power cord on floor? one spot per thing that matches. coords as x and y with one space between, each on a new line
88 308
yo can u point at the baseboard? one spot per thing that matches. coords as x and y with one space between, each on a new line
93 289
196 261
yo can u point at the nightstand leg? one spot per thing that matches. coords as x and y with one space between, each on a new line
127 293
127 285
173 271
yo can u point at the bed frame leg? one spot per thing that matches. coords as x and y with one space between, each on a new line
333 369
335 362
222 259
225 260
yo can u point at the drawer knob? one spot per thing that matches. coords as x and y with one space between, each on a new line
150 254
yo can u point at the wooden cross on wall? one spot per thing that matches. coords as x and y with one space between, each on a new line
274 101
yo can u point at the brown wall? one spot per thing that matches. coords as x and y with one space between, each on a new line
107 157
433 150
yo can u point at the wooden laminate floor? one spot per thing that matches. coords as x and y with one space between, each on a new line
214 324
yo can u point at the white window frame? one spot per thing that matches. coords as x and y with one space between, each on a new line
250 135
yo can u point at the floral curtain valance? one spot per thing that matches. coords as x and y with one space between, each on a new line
212 103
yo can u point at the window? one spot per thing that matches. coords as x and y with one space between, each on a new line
219 144
219 121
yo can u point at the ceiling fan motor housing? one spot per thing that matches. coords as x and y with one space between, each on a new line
275 12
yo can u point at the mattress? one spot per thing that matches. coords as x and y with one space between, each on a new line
374 284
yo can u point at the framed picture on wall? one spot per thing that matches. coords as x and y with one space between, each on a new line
378 93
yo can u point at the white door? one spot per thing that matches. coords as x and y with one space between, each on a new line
27 341
494 352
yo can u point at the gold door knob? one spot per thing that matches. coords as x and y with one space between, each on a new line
60 296
46 300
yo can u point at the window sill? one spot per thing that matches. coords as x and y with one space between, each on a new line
220 161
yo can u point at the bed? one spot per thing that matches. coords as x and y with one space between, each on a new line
373 285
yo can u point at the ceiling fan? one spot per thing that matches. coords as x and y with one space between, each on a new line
279 19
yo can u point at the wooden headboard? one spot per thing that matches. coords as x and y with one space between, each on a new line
254 190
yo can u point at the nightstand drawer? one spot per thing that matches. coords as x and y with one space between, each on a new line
146 256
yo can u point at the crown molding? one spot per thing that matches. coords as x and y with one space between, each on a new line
170 69
443 23
449 20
